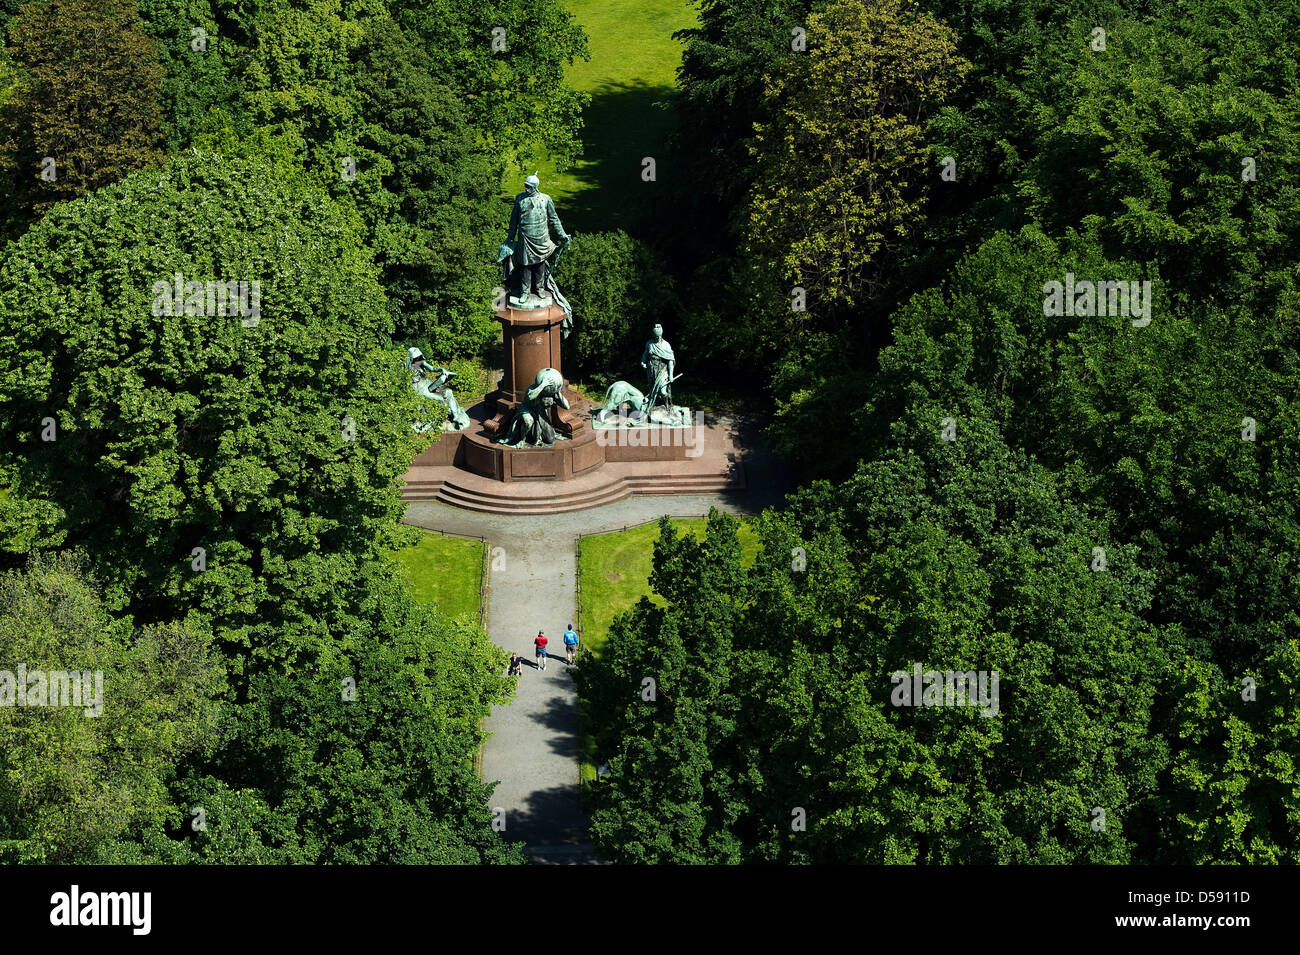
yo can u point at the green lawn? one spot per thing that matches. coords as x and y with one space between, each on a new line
446 571
630 76
615 573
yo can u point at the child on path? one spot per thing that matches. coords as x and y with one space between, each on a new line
516 666
540 643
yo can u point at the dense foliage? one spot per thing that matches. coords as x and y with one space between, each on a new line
1096 504
240 473
73 787
1089 494
84 111
618 287
225 456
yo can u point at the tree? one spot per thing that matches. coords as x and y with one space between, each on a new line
667 740
75 787
203 52
1143 427
1233 795
352 102
433 226
86 112
618 292
241 468
513 81
854 106
245 466
1098 509
776 737
1178 145
724 63
370 755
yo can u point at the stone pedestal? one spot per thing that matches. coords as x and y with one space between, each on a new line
530 342
563 461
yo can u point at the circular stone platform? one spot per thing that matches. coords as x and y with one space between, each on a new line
588 465
566 459
710 463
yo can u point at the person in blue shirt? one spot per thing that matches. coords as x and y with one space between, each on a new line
570 643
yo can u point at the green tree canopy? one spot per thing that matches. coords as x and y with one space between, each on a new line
775 692
841 165
273 443
75 787
239 468
363 109
87 97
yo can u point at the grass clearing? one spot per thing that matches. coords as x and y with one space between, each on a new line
631 77
445 571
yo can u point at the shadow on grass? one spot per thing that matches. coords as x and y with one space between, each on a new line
624 124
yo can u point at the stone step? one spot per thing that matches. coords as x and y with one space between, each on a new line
489 493
421 490
472 500
422 495
721 481
614 492
683 487
523 497
528 492
716 469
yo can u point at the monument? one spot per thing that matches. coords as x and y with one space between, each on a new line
529 253
658 361
554 449
531 425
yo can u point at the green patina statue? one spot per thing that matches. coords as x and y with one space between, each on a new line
529 251
431 382
658 361
618 394
531 424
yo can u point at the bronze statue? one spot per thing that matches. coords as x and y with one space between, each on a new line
528 250
531 425
618 394
658 361
431 382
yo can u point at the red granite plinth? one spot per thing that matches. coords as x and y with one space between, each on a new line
563 461
530 342
626 445
445 452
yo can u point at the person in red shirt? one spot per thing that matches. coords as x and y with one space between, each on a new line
540 643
